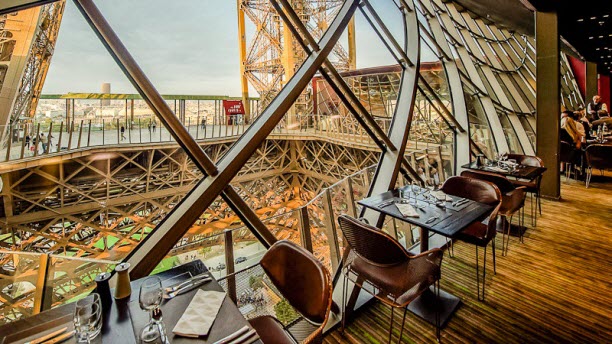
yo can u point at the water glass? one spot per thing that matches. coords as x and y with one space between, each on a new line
88 318
150 298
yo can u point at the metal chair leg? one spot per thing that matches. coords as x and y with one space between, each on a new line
437 289
391 326
403 321
484 273
477 274
344 291
494 265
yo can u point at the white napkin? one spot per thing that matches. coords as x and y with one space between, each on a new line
495 169
441 196
200 314
406 210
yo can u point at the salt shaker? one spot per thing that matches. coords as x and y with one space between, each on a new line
123 288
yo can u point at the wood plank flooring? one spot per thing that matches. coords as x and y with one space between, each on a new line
554 288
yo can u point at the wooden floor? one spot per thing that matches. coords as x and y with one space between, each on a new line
554 288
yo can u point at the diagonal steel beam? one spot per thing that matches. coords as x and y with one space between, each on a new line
145 257
343 90
155 101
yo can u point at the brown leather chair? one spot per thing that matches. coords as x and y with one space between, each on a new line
513 200
531 186
378 260
597 156
477 233
304 282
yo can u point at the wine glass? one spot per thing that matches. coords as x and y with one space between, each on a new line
150 298
88 318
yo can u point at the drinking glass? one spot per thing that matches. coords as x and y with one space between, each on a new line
88 318
150 298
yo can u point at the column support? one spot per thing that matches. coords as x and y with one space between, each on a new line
591 81
548 102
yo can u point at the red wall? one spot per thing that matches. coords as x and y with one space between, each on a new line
603 85
579 69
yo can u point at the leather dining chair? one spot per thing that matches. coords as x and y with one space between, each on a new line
597 156
378 261
477 233
513 200
304 282
531 186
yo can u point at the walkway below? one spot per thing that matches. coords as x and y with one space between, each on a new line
554 288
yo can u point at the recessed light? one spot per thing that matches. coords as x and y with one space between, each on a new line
591 37
606 15
581 20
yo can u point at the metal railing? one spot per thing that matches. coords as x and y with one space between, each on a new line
43 138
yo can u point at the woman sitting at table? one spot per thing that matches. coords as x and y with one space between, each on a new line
570 133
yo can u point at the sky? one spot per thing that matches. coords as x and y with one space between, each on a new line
183 46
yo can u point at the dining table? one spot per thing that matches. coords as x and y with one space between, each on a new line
521 171
439 213
122 320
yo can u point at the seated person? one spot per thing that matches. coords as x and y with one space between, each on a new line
597 109
570 133
583 125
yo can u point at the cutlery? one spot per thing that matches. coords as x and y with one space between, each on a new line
60 338
385 204
460 202
48 336
244 337
232 336
186 288
432 219
184 283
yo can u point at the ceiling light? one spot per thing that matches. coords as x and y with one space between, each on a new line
600 36
593 18
591 37
581 20
606 15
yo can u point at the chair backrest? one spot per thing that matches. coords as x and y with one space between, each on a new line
301 279
502 183
372 244
476 190
527 160
599 156
566 152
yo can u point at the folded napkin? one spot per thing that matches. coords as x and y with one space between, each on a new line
495 169
406 210
441 196
200 314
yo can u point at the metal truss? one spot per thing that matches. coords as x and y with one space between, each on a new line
273 55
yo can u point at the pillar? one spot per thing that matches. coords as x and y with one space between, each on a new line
548 101
591 81
243 56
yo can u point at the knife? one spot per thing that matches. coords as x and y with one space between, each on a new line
244 337
184 283
48 336
186 288
232 336
60 338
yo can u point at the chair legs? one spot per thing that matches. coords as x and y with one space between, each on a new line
589 175
481 297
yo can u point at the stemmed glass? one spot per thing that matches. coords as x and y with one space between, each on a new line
88 318
150 298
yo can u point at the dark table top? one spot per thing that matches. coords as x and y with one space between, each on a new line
522 172
124 319
451 221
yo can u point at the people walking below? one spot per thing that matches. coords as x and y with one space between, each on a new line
43 141
122 133
27 141
154 125
203 123
49 142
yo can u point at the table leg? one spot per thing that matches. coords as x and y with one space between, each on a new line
425 305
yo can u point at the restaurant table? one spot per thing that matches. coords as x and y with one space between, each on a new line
451 220
522 171
123 320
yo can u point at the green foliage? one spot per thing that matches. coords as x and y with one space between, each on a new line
284 312
256 282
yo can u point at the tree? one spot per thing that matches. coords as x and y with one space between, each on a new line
284 312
